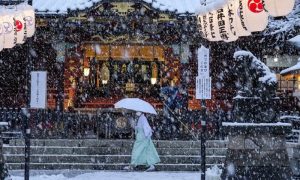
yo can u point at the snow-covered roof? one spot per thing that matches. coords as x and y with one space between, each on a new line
296 41
291 69
179 6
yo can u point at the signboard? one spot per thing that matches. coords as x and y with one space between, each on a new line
38 98
203 81
203 88
203 62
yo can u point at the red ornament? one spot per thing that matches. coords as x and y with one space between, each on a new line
256 6
19 25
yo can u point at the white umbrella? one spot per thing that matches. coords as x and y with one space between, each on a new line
136 104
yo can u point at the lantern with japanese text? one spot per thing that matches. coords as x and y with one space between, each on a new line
252 15
19 26
235 21
204 25
279 7
213 27
29 18
199 23
224 25
9 31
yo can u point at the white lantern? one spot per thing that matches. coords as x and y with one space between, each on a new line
235 20
279 7
9 31
224 26
1 34
204 25
20 26
29 18
214 34
199 23
253 16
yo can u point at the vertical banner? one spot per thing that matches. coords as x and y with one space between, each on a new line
203 88
203 81
38 97
203 62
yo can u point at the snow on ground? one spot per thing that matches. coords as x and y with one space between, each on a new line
109 175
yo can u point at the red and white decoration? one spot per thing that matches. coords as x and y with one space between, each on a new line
16 24
241 17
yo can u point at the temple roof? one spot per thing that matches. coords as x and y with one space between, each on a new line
62 6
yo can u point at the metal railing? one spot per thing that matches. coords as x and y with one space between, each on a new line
104 123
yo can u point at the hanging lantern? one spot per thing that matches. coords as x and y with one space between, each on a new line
9 31
105 74
154 73
213 27
20 26
253 16
204 25
224 25
1 34
29 18
199 23
279 7
86 71
234 20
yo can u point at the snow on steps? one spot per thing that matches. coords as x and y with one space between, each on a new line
92 154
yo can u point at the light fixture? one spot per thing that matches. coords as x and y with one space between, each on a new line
276 59
153 81
298 82
172 83
105 74
86 71
104 81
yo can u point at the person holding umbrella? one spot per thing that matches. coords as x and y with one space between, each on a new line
143 152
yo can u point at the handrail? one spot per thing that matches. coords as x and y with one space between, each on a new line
170 110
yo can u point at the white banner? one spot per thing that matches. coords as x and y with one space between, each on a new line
38 89
203 87
203 62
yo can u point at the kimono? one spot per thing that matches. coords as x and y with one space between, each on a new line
144 152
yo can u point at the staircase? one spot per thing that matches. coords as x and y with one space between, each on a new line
98 154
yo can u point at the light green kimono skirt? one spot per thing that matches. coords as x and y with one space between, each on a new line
143 152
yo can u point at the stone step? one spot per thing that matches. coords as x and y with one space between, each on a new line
108 150
101 166
117 143
110 159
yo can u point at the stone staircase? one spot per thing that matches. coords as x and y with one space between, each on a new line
98 154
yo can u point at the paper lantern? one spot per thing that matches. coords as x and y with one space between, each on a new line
9 31
235 21
224 25
252 14
203 24
1 34
29 18
199 23
20 26
279 7
214 34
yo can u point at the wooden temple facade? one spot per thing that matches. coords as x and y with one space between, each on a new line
119 49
